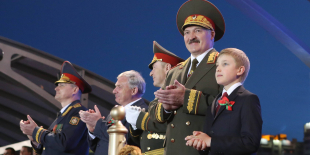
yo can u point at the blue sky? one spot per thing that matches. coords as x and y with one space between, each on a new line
109 37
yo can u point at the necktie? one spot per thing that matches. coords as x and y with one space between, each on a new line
55 121
58 113
194 64
217 103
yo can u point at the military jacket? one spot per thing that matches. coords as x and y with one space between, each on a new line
149 134
66 136
201 88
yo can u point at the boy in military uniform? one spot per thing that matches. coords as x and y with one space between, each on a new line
67 134
151 134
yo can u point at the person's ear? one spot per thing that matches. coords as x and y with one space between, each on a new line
212 33
167 67
134 91
241 70
76 90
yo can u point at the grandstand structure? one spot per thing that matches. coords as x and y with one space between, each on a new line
27 77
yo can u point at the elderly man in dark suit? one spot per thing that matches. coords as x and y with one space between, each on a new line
129 89
67 134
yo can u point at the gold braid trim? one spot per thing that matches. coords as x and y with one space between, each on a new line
158 109
197 102
143 121
37 134
66 112
155 152
77 105
132 134
191 100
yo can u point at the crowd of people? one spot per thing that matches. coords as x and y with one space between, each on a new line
201 106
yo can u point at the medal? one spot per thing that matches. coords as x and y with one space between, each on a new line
149 136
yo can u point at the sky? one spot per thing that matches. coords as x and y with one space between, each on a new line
110 37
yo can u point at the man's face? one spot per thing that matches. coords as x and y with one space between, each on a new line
198 39
158 73
8 152
24 151
64 91
227 72
123 93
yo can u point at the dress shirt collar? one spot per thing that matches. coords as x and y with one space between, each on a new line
131 103
232 88
64 108
201 56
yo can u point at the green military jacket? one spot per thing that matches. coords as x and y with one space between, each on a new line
201 89
150 134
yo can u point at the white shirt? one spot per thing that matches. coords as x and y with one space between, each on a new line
127 105
232 88
64 108
199 58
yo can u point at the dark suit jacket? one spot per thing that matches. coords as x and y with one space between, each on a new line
201 89
66 136
237 131
100 144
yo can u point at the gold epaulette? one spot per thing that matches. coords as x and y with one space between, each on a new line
77 105
181 64
212 57
69 108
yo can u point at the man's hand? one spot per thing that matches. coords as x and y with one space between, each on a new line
173 97
28 126
132 114
198 140
91 117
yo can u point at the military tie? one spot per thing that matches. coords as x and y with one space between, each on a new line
194 64
217 103
55 121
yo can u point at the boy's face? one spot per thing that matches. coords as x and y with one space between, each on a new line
227 73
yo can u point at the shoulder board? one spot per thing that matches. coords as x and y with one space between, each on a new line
182 64
69 108
77 105
212 57
66 112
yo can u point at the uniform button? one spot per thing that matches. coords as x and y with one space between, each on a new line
175 112
172 125
188 123
141 137
148 148
211 132
172 140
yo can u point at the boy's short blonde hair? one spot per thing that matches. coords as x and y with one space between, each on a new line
240 58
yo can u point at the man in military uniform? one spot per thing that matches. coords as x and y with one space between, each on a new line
129 89
190 87
67 134
148 133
